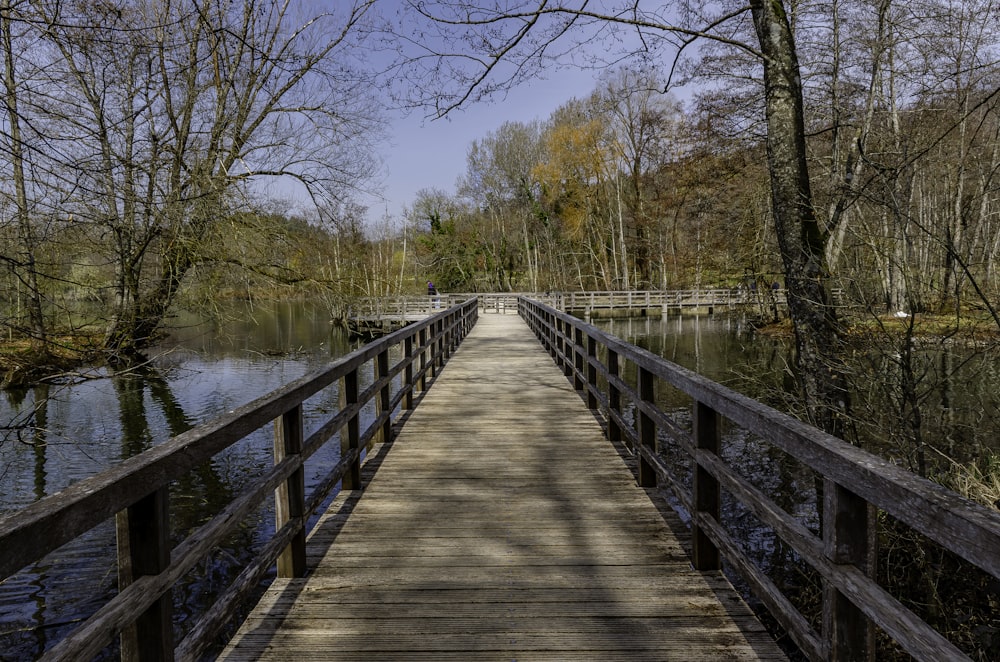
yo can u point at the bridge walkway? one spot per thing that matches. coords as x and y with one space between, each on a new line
500 525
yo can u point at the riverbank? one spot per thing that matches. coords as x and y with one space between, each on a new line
973 329
23 364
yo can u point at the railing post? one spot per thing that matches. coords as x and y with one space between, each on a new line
438 353
453 333
352 440
559 355
551 332
382 402
554 326
408 384
422 341
566 340
435 328
591 373
290 497
614 397
448 330
143 532
848 633
707 494
647 428
578 359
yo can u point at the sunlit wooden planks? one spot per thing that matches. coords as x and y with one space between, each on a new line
500 524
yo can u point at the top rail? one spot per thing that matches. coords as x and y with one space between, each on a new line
416 307
855 483
136 494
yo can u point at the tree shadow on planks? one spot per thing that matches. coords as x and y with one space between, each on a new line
251 642
755 633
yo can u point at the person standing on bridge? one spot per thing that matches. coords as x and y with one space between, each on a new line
432 292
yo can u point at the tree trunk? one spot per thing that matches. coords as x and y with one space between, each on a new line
26 269
131 332
800 239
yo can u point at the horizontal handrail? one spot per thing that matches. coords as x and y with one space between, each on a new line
855 483
135 492
415 306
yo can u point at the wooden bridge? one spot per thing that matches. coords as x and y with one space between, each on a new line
501 525
486 512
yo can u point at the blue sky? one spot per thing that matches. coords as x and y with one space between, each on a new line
423 154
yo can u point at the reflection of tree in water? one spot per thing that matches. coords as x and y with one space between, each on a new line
955 385
39 449
67 430
194 498
43 602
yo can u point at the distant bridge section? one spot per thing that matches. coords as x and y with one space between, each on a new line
372 315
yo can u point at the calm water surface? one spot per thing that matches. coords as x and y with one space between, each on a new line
77 429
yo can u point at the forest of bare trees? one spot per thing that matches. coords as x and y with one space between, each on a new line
137 136
834 145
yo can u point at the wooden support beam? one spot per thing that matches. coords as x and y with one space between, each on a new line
290 497
707 498
143 533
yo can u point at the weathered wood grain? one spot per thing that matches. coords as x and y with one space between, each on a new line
501 525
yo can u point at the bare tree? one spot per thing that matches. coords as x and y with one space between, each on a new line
23 261
644 125
175 110
499 180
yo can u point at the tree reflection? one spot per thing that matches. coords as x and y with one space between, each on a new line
195 497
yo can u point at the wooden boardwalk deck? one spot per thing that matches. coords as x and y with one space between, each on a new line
500 525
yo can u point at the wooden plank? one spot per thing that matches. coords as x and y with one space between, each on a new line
501 524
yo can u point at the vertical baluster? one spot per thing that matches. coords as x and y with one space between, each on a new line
707 494
848 633
550 332
381 370
647 428
422 341
438 346
566 337
352 439
591 373
290 497
614 397
408 384
143 532
553 333
578 359
557 332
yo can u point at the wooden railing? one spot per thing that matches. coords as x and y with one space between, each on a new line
419 306
855 484
411 308
135 493
653 299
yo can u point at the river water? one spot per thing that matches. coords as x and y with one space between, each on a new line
955 388
73 430
66 432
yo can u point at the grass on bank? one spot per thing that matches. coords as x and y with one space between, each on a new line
24 363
